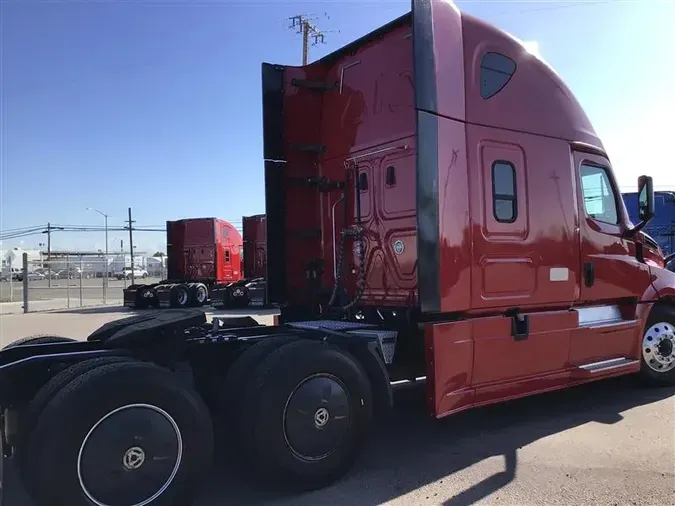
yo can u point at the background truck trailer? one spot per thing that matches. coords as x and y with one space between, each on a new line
206 263
662 227
465 227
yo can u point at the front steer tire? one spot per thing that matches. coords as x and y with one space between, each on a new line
307 410
125 433
657 351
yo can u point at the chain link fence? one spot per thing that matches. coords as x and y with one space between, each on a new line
70 281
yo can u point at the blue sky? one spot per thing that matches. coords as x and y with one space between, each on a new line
156 104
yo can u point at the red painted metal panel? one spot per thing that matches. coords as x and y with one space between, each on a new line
533 260
254 230
449 366
454 213
617 272
535 100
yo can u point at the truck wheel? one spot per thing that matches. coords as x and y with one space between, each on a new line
308 407
180 296
38 339
32 411
229 399
157 460
658 347
199 294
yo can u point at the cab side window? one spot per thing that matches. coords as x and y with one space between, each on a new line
599 196
504 198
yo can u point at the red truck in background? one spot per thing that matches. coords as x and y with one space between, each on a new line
206 264
250 289
438 205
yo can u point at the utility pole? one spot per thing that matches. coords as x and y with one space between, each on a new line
107 267
306 28
49 255
131 245
49 251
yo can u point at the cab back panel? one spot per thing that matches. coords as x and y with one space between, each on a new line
317 142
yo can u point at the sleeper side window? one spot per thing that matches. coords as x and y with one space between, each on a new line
496 70
505 200
599 195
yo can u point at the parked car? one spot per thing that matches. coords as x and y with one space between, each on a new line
127 271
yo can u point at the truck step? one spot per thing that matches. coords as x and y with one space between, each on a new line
313 85
608 365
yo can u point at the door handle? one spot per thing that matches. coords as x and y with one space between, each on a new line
589 274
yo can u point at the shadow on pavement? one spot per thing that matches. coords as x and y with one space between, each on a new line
413 450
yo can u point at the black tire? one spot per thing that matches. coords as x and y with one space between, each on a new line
229 399
658 347
30 414
38 339
199 294
273 435
93 402
180 296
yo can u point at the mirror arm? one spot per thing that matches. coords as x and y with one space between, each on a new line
669 258
634 230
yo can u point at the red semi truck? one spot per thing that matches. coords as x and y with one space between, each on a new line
439 205
207 263
250 290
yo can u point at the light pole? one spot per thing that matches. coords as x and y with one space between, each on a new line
105 277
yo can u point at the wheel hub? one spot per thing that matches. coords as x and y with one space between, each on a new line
658 347
665 347
321 417
317 417
133 458
130 456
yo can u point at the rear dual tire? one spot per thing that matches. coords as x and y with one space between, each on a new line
76 453
191 294
302 413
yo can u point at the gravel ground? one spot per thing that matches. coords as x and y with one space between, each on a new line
608 443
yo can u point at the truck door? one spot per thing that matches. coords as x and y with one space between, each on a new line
227 263
609 268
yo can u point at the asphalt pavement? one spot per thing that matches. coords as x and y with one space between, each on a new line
606 443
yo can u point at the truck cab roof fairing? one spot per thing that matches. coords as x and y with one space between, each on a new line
533 88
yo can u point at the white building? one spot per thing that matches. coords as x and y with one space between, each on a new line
156 267
119 261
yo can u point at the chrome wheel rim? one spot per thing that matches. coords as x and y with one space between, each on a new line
201 294
658 347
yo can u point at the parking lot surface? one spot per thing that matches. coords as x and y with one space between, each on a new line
607 443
